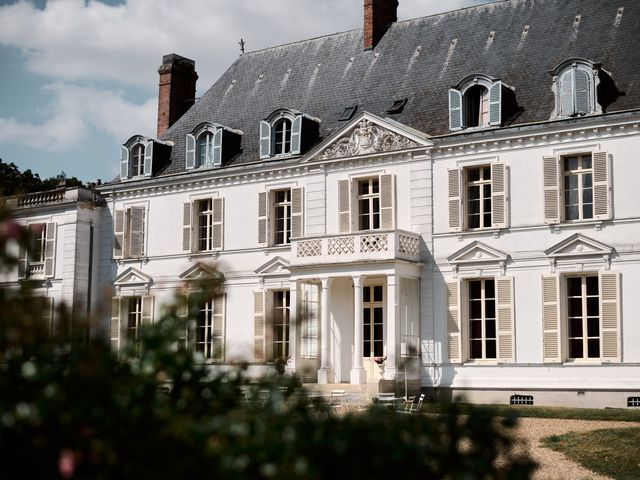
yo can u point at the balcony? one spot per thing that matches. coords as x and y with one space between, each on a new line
36 271
356 247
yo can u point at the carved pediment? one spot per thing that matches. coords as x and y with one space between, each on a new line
275 266
199 271
578 245
477 252
132 277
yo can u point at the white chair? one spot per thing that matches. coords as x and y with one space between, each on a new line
336 400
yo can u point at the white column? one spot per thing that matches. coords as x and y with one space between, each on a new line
391 342
325 350
358 374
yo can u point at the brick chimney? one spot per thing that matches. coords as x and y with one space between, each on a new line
378 17
177 89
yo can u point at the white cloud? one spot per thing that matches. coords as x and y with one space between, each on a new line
75 112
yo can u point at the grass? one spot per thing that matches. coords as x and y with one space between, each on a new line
611 452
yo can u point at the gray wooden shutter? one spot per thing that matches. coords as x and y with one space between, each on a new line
147 310
601 186
118 232
454 327
116 306
386 202
610 316
344 207
505 320
259 326
551 330
23 263
495 104
190 153
296 134
218 223
499 196
455 110
124 162
265 139
217 148
565 93
297 213
455 199
148 158
50 250
582 91
219 304
187 208
136 234
263 218
551 178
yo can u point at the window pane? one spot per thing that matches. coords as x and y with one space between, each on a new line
594 347
378 349
367 333
476 349
364 206
587 180
376 221
486 204
475 328
475 309
586 161
474 206
377 332
474 192
572 213
490 329
487 219
570 163
474 221
363 187
377 315
473 174
587 195
571 197
375 188
574 286
592 286
486 191
475 289
367 316
489 289
575 327
593 327
593 306
587 211
575 348
490 309
366 294
377 293
367 350
486 173
491 349
575 307
571 182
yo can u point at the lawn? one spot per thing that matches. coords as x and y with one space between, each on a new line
611 452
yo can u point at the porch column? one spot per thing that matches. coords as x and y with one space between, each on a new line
325 364
358 374
391 342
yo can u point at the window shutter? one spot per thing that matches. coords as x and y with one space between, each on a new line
219 304
183 317
601 186
296 134
118 231
565 90
495 104
124 162
263 219
551 330
455 199
147 310
454 331
217 147
190 154
116 305
610 316
582 92
218 223
186 226
344 200
136 235
499 195
505 321
455 110
50 250
260 326
297 213
386 202
148 158
265 139
22 262
551 176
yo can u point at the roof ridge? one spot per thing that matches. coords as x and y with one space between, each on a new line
300 41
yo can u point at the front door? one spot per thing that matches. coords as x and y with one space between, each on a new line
373 334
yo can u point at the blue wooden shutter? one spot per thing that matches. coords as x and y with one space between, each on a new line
495 104
296 134
455 110
124 162
190 156
148 158
265 139
582 92
217 147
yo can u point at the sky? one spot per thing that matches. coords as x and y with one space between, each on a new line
79 77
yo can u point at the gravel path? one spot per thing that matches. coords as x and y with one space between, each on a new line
554 465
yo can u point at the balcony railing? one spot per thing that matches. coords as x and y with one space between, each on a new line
356 247
36 270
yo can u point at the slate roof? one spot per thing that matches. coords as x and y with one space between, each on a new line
421 59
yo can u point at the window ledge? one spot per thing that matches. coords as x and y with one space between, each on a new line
495 232
208 253
557 227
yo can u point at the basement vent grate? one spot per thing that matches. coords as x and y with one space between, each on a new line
633 401
521 400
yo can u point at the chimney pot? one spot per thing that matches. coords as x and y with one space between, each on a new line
177 90
378 17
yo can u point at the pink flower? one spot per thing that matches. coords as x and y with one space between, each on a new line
67 463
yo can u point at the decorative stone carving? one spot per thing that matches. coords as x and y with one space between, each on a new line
367 138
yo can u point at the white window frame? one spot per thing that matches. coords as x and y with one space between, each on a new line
481 198
370 197
580 173
284 134
584 296
137 159
204 222
136 315
310 311
371 305
483 319
491 98
282 312
284 206
566 71
207 158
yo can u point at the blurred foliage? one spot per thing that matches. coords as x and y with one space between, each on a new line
15 182
72 408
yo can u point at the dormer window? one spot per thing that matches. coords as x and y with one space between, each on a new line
205 148
287 132
137 167
575 84
142 157
209 144
476 102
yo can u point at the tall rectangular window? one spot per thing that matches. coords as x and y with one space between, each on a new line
583 316
478 197
578 187
134 319
282 211
280 324
482 319
369 204
38 242
373 320
310 313
208 337
204 211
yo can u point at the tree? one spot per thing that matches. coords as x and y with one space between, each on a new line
14 182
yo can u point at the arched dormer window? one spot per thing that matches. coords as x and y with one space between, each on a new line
475 102
204 146
137 160
575 85
287 132
143 157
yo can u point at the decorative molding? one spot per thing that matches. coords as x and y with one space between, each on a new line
367 138
578 245
277 266
131 278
